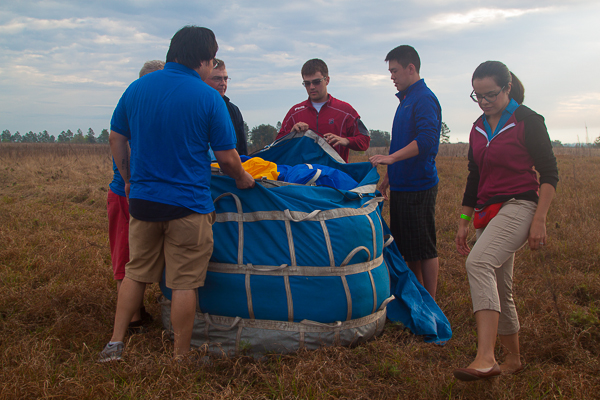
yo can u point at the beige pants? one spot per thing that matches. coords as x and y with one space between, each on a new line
490 263
184 245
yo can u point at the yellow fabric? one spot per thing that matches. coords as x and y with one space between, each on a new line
258 168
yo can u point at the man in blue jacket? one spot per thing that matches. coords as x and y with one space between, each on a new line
412 176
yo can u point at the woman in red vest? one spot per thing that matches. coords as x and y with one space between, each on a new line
508 205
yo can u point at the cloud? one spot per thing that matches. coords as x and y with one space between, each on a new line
269 82
479 17
75 55
582 103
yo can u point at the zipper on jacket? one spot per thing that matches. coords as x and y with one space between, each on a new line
478 129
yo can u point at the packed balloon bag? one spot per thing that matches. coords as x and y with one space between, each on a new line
304 265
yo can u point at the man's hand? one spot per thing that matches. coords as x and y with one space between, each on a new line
300 127
335 140
381 159
229 162
384 186
408 151
245 182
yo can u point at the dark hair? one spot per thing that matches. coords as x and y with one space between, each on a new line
313 66
405 55
502 76
191 45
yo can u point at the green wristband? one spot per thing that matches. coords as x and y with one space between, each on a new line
465 216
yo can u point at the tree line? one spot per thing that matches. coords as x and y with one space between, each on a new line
63 137
258 137
264 134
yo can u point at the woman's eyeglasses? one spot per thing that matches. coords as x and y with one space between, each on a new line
490 97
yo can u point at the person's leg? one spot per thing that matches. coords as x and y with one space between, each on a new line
128 302
508 324
512 362
429 270
146 265
489 266
183 311
426 272
146 240
415 267
188 247
137 316
487 329
419 219
118 237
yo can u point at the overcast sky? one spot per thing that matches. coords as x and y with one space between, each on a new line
64 64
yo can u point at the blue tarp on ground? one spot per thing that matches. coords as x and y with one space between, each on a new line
413 306
317 298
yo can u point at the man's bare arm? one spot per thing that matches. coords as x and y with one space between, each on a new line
119 147
408 151
229 162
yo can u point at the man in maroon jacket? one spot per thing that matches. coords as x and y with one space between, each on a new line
334 120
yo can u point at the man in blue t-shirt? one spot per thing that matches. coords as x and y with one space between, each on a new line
411 175
170 118
118 225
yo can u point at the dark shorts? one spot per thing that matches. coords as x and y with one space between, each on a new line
412 222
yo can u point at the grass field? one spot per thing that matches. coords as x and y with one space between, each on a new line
57 302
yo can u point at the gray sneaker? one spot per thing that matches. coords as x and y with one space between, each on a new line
112 352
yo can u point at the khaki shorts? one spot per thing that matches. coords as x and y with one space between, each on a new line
181 246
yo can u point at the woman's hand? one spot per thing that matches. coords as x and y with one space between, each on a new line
463 231
537 230
537 234
461 238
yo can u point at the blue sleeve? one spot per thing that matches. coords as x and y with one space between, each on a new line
222 133
428 122
119 122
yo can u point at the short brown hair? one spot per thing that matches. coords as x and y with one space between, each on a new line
151 66
313 66
221 63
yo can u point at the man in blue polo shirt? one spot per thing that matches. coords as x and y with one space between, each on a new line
170 117
118 225
412 176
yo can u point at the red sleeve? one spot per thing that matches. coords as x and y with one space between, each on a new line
359 142
358 136
286 125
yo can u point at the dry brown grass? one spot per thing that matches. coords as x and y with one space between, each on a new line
57 300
